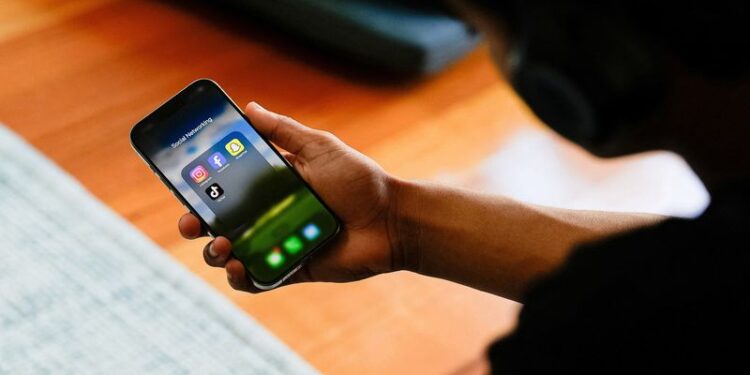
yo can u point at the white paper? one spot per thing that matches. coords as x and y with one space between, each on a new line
83 292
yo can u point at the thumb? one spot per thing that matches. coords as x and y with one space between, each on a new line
279 129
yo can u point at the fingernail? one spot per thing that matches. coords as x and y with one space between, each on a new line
258 106
211 251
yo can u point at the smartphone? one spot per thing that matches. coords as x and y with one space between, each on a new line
206 151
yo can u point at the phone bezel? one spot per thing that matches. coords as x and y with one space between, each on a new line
177 102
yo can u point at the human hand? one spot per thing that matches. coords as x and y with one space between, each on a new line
351 184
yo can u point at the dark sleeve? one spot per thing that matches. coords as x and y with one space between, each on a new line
665 298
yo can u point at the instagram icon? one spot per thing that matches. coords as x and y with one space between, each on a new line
199 174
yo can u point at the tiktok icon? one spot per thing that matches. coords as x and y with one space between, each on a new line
215 192
217 160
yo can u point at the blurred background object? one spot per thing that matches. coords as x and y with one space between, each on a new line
409 37
540 167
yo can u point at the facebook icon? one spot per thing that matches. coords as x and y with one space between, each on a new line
217 160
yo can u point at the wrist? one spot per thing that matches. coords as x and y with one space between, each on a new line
403 227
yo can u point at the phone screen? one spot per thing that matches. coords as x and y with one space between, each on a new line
215 161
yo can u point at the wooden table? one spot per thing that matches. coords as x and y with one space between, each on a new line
75 76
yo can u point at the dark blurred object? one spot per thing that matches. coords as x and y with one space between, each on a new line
594 71
415 37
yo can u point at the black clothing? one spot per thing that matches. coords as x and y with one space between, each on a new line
663 299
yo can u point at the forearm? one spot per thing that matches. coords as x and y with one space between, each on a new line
492 243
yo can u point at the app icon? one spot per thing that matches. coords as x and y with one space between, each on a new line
275 258
215 191
217 160
293 245
235 147
311 231
199 174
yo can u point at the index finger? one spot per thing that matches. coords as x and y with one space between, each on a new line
281 130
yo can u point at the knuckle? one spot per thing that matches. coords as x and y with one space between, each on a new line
325 134
285 119
325 137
